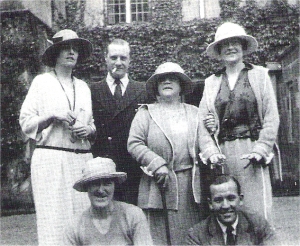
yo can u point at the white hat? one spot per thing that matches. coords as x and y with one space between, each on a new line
98 168
66 36
169 68
231 30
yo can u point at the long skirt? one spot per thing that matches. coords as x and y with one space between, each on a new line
254 180
53 175
180 221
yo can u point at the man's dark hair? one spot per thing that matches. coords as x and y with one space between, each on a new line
221 179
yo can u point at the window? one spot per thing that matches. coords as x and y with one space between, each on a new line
139 10
127 11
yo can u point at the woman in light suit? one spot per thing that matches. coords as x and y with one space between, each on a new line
239 117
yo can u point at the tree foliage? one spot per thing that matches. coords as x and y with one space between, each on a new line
19 52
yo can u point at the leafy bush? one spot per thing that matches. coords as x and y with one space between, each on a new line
19 52
166 38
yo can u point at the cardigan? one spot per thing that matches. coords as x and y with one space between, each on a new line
267 109
151 144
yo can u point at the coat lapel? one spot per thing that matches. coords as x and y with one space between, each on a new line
192 120
215 236
156 115
105 97
243 231
131 93
213 84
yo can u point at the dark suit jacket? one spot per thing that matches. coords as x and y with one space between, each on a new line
251 230
113 122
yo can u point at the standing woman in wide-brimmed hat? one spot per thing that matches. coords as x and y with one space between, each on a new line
163 139
57 114
240 99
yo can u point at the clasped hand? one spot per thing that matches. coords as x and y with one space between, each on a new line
78 129
254 158
217 159
161 176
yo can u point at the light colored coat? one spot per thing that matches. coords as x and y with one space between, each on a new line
151 144
267 109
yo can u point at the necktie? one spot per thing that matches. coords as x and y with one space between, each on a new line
118 90
230 236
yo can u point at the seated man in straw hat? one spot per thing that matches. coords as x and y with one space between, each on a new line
106 222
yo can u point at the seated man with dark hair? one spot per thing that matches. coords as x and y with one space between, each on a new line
228 224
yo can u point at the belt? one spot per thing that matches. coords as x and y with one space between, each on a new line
76 151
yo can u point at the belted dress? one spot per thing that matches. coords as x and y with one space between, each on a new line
247 121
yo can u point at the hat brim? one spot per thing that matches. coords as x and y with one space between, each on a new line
186 84
251 46
82 184
85 48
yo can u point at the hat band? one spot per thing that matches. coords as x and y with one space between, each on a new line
56 40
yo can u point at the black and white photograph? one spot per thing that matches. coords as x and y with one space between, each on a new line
150 122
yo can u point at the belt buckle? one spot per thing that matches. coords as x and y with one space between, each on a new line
76 151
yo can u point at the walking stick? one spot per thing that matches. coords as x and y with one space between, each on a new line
162 190
213 136
165 212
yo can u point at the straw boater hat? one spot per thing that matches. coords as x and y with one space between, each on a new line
63 37
98 168
169 68
231 30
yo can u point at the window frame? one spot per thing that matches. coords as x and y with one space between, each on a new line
110 17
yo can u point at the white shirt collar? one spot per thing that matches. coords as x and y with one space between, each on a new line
112 86
224 227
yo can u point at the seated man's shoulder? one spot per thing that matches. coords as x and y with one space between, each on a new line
261 227
127 208
79 218
197 235
253 218
200 227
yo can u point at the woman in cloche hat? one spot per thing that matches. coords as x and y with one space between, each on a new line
57 114
240 100
163 139
106 221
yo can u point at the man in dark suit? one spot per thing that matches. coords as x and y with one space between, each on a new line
115 101
228 224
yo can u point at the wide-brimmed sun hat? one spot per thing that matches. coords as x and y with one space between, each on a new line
63 37
96 169
231 30
165 69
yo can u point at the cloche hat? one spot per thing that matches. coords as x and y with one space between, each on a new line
62 37
231 30
169 68
98 168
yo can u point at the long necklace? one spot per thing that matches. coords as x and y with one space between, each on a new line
74 94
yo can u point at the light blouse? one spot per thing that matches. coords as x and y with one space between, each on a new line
46 96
